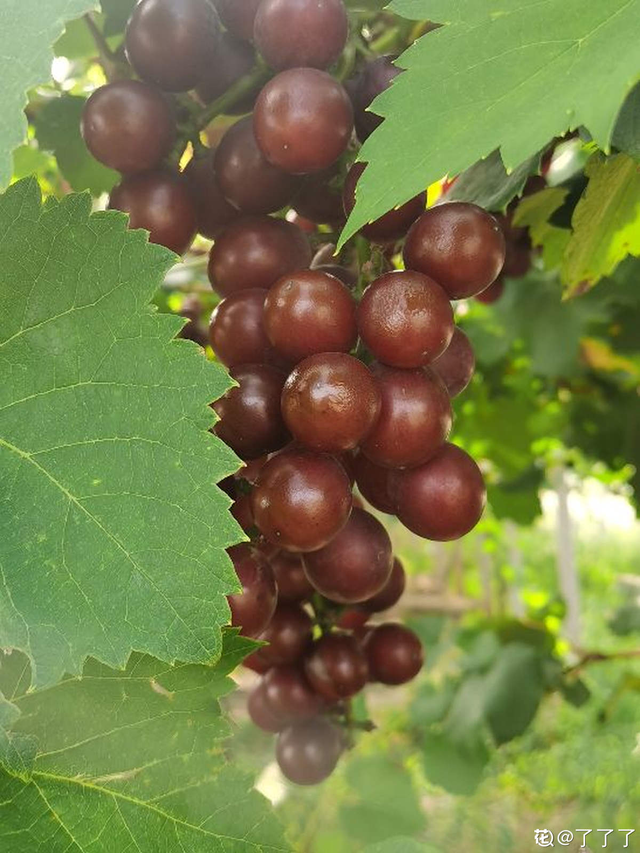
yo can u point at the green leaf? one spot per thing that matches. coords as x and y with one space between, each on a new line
605 223
401 844
29 28
488 184
57 127
112 530
116 14
76 42
470 86
513 690
576 692
626 134
456 767
132 760
534 212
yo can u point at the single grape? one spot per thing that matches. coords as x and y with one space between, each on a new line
250 418
405 319
303 120
308 752
493 293
391 594
288 693
260 713
255 663
252 609
288 634
301 33
394 654
390 227
128 126
336 667
255 252
457 363
232 59
459 245
159 202
241 510
236 332
319 200
213 211
168 41
375 77
517 262
247 180
356 564
376 484
330 402
444 498
293 584
301 500
238 16
308 312
415 418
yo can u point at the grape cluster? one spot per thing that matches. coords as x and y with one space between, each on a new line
344 375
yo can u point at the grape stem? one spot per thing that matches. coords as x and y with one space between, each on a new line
600 657
240 89
109 60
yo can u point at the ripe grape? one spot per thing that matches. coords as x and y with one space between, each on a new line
160 203
308 752
391 594
288 634
252 609
330 402
394 654
300 33
310 311
246 179
303 120
128 126
255 252
375 77
457 363
213 211
376 484
405 319
241 511
336 667
168 41
301 500
292 582
415 418
250 418
238 16
518 260
356 564
444 498
237 332
319 201
260 713
232 59
391 226
492 293
288 693
459 245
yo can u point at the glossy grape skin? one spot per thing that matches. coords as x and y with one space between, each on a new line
308 312
159 202
260 713
336 667
300 33
236 332
391 594
238 16
394 654
303 120
330 402
376 484
288 693
246 179
356 564
256 251
375 77
293 584
250 419
301 500
391 226
415 418
231 60
128 126
168 41
457 363
213 211
405 319
308 752
459 245
443 499
252 609
288 634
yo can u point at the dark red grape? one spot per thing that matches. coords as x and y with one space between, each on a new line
391 594
160 203
168 41
301 33
330 402
443 499
405 319
255 252
319 200
356 564
260 713
375 77
293 584
232 59
415 418
457 363
308 752
517 262
288 634
493 293
353 620
213 211
250 418
252 609
301 500
238 16
288 693
128 126
376 484
241 510
303 120
237 332
336 667
459 245
255 663
394 654
394 224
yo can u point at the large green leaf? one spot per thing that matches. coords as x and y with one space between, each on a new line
513 691
28 28
130 761
626 134
456 767
474 85
112 530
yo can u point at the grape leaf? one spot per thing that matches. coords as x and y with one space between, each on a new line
513 691
116 14
29 28
401 844
488 184
129 761
456 767
471 85
112 529
626 134
534 212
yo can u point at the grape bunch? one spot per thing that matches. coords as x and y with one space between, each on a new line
344 371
